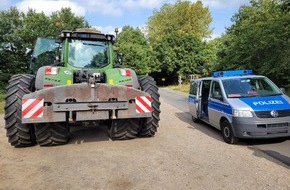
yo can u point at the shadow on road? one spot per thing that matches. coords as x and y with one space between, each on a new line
266 146
80 134
201 126
283 160
264 141
277 155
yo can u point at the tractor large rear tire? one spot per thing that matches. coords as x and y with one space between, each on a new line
19 135
51 134
150 124
123 129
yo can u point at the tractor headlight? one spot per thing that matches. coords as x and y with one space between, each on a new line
242 113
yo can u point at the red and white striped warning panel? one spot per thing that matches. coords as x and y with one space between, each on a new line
125 72
143 104
32 108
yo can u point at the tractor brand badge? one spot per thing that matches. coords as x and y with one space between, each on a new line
32 108
274 113
67 72
143 104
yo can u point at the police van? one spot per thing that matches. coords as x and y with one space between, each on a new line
241 105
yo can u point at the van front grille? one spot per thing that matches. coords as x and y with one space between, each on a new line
267 114
275 125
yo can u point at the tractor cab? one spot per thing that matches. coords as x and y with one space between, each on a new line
84 48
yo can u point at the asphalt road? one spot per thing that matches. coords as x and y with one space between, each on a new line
276 148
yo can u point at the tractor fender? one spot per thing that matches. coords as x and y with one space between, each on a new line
39 78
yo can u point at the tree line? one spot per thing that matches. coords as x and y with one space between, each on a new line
18 34
175 42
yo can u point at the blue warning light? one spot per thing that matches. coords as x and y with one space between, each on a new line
231 73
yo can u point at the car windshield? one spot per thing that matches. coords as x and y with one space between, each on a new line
88 54
249 87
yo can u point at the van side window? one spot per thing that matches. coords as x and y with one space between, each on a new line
216 91
193 88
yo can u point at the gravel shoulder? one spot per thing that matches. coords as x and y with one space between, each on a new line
182 155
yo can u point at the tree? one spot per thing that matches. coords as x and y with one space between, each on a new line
177 33
19 31
259 39
137 52
11 57
183 17
68 20
184 54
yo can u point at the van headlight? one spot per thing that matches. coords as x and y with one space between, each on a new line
242 113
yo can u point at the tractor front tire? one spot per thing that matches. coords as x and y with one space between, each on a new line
51 134
19 135
149 125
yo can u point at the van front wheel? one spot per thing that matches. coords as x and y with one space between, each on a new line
227 133
194 119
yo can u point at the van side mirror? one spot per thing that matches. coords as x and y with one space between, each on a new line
283 90
217 95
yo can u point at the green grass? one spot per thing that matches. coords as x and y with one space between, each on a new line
2 103
182 88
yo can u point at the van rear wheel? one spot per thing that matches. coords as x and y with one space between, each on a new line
227 133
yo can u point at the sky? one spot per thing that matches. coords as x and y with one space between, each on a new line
109 14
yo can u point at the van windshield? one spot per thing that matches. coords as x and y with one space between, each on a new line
250 87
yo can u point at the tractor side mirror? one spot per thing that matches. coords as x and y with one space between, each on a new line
118 61
120 58
33 59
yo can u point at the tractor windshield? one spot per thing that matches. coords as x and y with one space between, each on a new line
88 54
250 87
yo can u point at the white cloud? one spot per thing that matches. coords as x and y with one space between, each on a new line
119 7
219 4
103 7
107 29
49 6
107 7
79 7
150 4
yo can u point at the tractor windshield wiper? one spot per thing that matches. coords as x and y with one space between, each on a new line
93 44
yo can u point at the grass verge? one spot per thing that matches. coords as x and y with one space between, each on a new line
2 103
182 88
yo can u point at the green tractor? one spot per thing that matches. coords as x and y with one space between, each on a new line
75 80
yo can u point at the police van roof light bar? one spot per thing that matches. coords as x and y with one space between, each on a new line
231 73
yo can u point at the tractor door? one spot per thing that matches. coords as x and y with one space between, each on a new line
44 53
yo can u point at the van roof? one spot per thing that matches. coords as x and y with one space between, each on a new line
228 77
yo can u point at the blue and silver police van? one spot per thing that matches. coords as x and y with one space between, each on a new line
241 105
